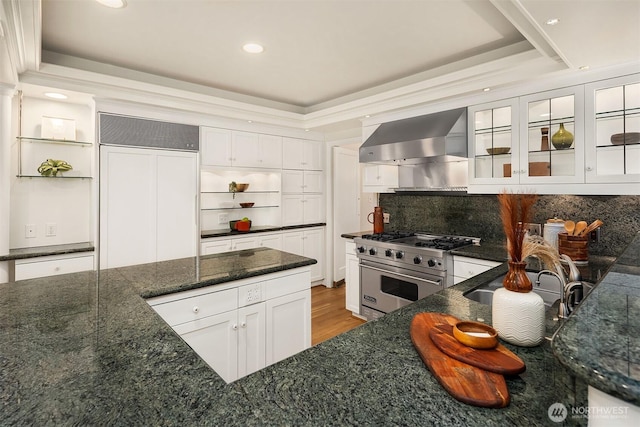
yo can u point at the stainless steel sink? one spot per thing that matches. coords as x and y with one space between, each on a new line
549 289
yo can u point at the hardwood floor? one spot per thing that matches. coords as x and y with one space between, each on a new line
329 317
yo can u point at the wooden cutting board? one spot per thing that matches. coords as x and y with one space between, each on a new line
466 383
499 359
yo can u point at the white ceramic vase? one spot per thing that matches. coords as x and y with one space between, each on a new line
518 317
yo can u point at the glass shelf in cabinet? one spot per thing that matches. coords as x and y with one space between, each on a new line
238 207
54 177
241 192
54 141
554 121
615 114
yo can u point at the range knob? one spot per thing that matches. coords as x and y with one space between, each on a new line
399 254
388 252
417 259
431 263
361 249
372 251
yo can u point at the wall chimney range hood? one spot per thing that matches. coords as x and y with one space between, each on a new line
430 151
433 138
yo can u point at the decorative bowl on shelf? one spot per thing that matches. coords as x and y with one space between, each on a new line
475 334
233 225
247 204
498 150
628 138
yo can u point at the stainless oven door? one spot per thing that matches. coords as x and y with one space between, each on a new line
386 288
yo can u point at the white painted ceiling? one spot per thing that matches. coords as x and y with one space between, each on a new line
323 53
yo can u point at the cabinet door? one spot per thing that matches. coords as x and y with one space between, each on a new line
612 111
176 212
313 155
292 209
273 241
313 182
493 143
270 151
288 325
215 147
313 211
244 243
292 181
544 113
215 339
245 149
292 153
215 247
251 339
313 243
352 279
379 178
293 243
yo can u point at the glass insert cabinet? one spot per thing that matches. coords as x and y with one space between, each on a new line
613 136
536 138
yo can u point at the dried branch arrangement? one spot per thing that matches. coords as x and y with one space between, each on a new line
537 247
515 211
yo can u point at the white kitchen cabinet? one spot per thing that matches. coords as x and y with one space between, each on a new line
147 205
223 147
464 268
215 147
296 181
612 107
379 178
256 150
215 246
53 265
493 142
271 240
352 278
302 209
287 333
238 328
302 154
211 246
308 243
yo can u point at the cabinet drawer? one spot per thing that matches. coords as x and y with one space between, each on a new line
466 269
278 287
198 307
52 266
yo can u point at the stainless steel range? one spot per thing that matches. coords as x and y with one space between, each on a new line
398 268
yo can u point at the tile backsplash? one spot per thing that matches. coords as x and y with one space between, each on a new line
478 216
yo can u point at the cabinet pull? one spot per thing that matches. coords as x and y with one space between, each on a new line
196 309
589 168
243 324
235 327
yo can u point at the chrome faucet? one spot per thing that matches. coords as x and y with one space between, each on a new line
567 285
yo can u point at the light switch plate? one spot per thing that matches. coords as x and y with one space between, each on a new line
51 229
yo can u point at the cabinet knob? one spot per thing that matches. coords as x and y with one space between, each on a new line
57 269
235 327
243 324
589 168
523 171
196 309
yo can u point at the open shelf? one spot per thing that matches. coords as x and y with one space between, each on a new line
53 141
239 207
54 177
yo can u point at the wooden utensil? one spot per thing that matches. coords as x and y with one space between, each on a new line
464 382
570 226
580 227
594 225
499 359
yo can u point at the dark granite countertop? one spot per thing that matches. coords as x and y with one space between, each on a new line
355 234
600 342
226 232
86 349
40 251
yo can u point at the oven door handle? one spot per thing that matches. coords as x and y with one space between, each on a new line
406 276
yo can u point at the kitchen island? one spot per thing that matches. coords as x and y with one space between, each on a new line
87 349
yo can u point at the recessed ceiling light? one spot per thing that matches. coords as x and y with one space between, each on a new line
583 68
55 95
552 21
116 4
486 89
306 130
367 116
253 48
249 121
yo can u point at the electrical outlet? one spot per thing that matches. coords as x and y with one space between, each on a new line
533 229
386 218
30 231
223 218
594 236
51 229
